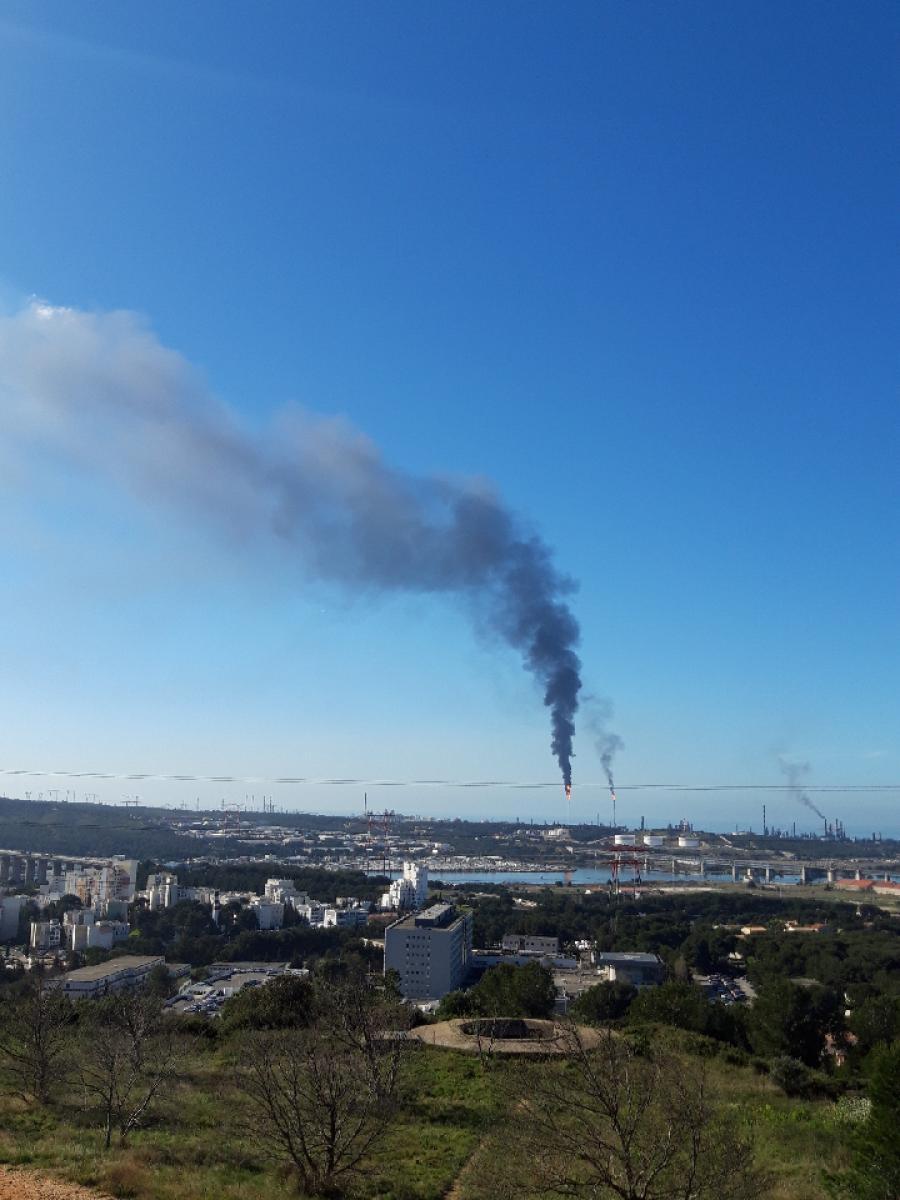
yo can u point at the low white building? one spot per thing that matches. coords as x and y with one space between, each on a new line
129 971
526 943
636 968
105 934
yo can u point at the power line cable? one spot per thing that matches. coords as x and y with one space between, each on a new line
304 781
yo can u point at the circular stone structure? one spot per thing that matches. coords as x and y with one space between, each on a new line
505 1035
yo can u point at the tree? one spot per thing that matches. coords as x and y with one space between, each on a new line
235 917
35 1033
57 909
609 1123
159 982
126 1057
674 1003
320 1098
511 991
701 956
457 1004
874 1173
282 1003
604 1002
876 1020
793 1020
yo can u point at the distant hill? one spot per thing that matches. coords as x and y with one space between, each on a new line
57 828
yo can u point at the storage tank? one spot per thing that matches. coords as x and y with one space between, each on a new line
624 839
654 839
688 843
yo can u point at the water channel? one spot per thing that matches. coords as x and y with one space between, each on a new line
587 877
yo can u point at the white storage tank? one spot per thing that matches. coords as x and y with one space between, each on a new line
623 839
688 843
654 839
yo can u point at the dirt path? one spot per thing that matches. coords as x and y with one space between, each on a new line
456 1187
19 1184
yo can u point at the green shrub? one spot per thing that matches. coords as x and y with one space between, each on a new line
792 1076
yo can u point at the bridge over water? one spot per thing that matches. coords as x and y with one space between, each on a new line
806 870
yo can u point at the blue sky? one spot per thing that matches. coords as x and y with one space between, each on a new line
634 263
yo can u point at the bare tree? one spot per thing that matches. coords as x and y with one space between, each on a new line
126 1057
321 1097
366 1021
36 1030
608 1123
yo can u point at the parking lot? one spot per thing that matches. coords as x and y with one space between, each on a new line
206 997
724 989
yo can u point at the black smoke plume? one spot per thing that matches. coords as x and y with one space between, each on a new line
101 390
794 772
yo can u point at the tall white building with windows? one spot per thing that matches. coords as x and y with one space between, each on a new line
430 951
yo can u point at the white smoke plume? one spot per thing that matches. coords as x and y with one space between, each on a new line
607 743
795 772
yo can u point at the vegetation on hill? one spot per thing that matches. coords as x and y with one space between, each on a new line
451 1124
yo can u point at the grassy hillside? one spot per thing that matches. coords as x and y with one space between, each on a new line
195 1148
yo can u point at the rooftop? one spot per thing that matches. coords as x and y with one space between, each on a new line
649 960
437 916
125 962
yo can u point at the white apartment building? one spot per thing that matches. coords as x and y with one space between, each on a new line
45 935
345 918
430 950
269 914
82 931
410 891
313 912
162 890
283 891
115 881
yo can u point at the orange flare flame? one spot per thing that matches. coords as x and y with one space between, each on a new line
568 791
